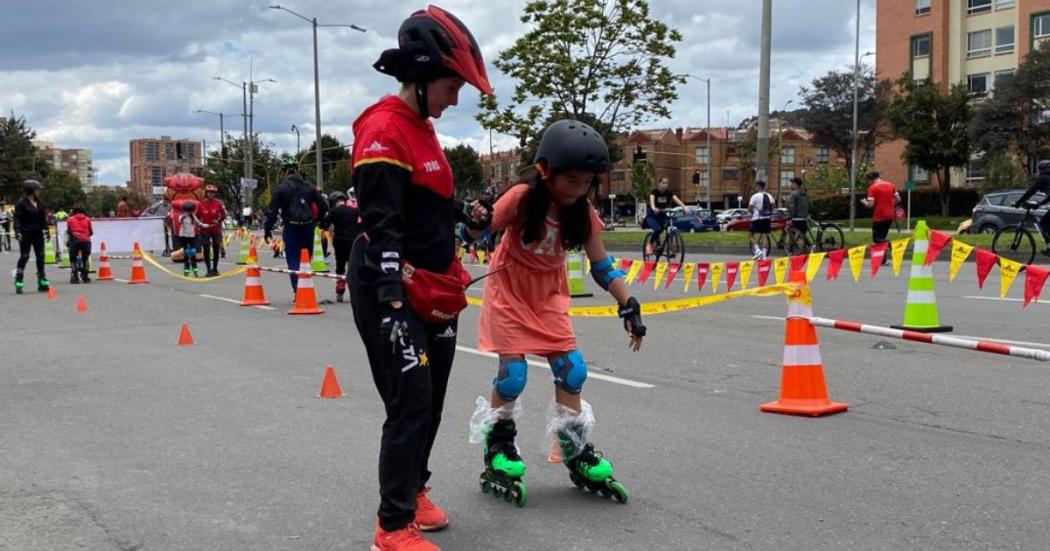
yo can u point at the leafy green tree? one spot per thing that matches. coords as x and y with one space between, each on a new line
226 174
17 156
599 61
935 126
334 162
828 112
642 176
466 170
1002 172
61 190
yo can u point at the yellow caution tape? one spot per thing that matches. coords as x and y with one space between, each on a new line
667 306
224 275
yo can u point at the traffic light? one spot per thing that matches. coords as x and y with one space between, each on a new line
696 177
639 154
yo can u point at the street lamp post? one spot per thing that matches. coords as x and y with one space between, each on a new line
317 86
244 116
780 150
248 90
707 132
297 148
222 132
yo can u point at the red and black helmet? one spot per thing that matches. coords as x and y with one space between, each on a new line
210 189
432 44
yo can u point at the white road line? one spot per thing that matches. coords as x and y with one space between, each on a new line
974 297
1004 341
120 280
237 302
534 363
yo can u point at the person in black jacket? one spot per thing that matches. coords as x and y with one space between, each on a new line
31 231
300 207
1041 184
343 221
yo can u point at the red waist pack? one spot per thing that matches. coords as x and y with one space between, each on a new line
436 298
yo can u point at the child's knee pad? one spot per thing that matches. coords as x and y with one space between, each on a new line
511 378
570 371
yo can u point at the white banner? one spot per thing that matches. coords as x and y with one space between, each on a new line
120 234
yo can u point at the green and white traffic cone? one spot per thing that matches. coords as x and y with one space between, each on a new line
63 261
920 311
317 264
245 237
49 251
575 272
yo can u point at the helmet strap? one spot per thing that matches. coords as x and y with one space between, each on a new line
421 100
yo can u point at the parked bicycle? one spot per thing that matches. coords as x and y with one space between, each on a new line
1016 241
668 243
819 236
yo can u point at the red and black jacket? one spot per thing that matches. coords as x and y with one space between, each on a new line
404 192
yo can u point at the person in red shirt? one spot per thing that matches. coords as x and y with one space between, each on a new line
212 212
78 227
122 208
882 199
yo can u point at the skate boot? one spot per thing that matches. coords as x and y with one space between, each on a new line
503 465
42 284
19 283
186 272
589 471
340 289
74 277
84 277
195 274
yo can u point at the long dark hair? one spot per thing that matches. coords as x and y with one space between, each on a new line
575 219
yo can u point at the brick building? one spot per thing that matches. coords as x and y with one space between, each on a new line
972 42
501 168
154 159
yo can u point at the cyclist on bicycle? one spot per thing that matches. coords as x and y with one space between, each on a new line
761 208
1041 183
798 205
660 199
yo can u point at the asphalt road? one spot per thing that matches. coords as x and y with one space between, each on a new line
112 437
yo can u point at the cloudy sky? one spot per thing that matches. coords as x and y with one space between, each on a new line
97 73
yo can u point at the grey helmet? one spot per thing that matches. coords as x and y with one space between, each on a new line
336 196
1044 166
573 145
29 186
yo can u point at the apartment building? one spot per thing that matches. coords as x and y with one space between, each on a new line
154 159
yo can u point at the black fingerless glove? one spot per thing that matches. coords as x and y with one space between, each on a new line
631 314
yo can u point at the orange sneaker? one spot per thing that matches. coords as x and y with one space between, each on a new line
429 517
408 538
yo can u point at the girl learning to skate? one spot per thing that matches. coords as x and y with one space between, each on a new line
526 305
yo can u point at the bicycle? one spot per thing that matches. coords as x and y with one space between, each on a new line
669 243
1016 241
826 237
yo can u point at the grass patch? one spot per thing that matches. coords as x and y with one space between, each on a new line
739 238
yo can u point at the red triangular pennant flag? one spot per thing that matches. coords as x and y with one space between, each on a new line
625 265
647 269
938 240
701 275
731 270
878 252
763 271
1035 277
835 260
985 261
672 271
798 263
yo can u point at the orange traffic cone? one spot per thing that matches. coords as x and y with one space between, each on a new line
555 455
185 339
802 388
105 273
253 289
305 296
330 385
253 255
138 270
81 304
51 294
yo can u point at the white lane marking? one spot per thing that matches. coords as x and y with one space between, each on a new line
120 280
534 363
974 297
232 301
989 339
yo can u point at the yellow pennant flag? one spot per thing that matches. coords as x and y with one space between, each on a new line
716 273
688 271
813 265
632 273
897 248
1008 270
661 269
745 272
960 252
856 261
780 268
481 256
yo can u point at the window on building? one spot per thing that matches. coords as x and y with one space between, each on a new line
497 171
787 155
1004 4
979 43
918 175
701 155
619 176
1041 26
705 177
169 151
823 154
922 7
151 151
977 84
785 177
975 169
1005 73
156 175
974 7
920 46
730 173
1004 40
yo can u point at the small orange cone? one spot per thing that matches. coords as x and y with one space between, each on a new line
138 270
105 273
555 455
253 255
253 289
81 304
802 387
185 339
51 294
330 385
305 296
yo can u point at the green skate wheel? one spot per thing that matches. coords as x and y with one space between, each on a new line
485 486
520 493
617 490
